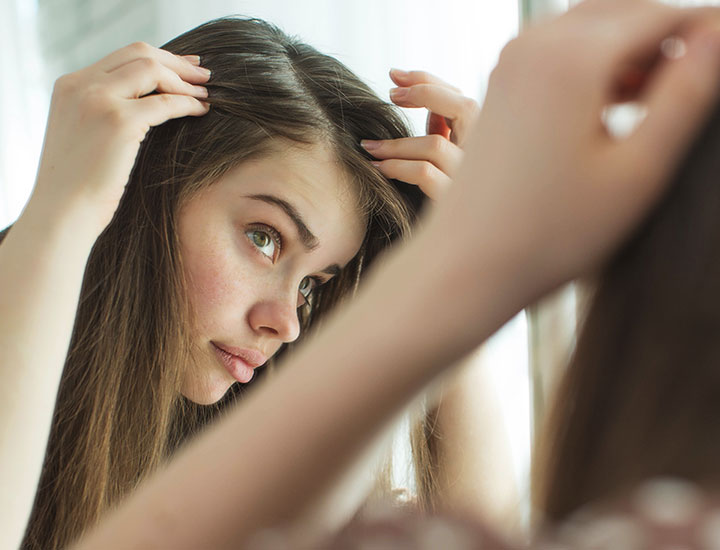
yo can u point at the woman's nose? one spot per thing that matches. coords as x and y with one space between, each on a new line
275 319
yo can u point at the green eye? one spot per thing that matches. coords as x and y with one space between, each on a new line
264 242
260 239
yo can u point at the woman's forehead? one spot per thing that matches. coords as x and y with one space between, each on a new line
307 183
309 174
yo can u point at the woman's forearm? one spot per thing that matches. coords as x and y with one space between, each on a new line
42 261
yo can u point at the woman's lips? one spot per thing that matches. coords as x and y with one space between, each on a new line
239 362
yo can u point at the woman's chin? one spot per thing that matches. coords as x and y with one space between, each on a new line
206 392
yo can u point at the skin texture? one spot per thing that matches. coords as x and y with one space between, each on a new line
577 195
244 295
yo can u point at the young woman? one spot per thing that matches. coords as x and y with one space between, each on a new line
251 209
555 208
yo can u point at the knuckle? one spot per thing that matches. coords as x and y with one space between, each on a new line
141 49
425 171
421 89
148 64
166 99
112 116
100 107
67 83
438 144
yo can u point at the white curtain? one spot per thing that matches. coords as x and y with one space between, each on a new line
23 106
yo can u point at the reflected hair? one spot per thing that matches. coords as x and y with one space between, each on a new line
641 396
119 413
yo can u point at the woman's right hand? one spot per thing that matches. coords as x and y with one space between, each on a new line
98 118
546 188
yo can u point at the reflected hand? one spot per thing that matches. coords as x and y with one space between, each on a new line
430 161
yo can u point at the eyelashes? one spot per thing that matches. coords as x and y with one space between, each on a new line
268 241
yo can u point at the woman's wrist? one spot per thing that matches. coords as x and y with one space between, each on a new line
72 222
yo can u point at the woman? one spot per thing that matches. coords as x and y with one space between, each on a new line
556 209
239 227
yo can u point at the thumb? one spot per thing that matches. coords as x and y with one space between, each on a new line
678 98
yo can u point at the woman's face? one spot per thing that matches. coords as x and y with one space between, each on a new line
253 245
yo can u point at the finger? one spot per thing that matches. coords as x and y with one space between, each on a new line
432 181
678 97
634 77
185 66
411 78
159 108
437 124
435 149
438 99
144 75
641 25
459 111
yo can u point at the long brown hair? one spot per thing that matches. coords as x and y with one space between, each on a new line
641 397
119 413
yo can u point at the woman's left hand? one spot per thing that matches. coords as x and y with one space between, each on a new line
428 161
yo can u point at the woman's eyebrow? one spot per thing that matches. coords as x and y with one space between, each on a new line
333 269
309 241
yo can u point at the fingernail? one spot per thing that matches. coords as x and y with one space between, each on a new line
399 93
203 71
370 144
375 163
399 72
194 59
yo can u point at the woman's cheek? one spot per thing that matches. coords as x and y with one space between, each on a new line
216 292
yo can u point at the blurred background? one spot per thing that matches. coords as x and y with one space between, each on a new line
458 40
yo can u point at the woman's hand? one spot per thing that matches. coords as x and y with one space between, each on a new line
545 185
98 117
430 161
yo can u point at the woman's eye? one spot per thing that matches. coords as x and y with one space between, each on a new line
306 286
264 242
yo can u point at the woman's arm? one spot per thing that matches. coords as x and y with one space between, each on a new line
527 213
42 260
94 130
472 459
